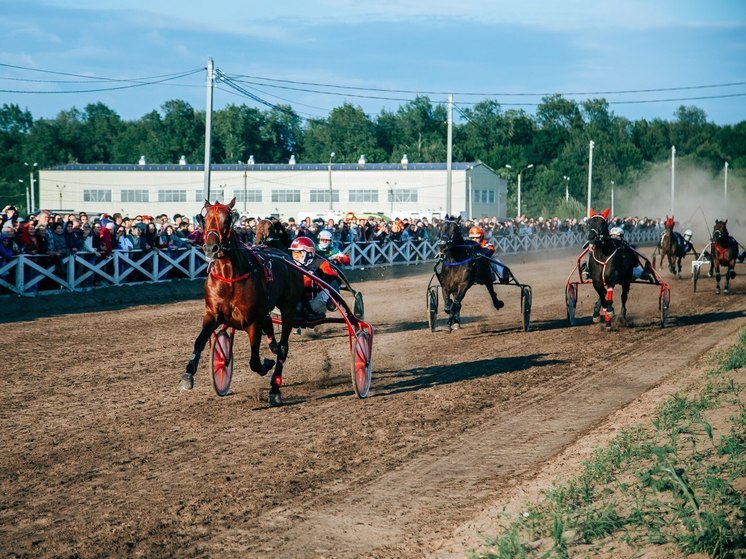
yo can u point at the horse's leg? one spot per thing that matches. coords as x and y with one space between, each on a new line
625 293
269 330
603 302
728 272
454 320
678 266
671 266
486 273
275 396
717 277
447 302
208 327
254 331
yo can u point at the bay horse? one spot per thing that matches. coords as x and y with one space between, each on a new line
241 289
724 251
460 267
672 246
611 263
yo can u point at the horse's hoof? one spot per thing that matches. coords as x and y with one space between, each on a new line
275 398
267 366
717 291
456 326
187 382
596 318
725 291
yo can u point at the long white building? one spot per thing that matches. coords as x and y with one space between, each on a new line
286 190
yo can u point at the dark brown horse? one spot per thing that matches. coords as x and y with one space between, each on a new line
459 268
241 289
723 252
672 246
611 263
272 233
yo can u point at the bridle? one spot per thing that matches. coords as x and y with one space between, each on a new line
212 226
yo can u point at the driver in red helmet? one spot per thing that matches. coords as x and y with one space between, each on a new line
476 235
316 299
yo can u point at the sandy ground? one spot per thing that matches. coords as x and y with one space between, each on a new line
103 456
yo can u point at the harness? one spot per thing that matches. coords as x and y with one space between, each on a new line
212 227
723 252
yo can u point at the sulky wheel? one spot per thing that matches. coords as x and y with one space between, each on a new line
222 360
432 307
695 277
526 307
663 302
571 299
359 308
362 349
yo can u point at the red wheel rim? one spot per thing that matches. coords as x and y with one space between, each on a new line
362 363
222 364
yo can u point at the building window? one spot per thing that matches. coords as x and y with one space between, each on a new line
135 196
403 195
491 197
322 195
217 194
363 196
248 195
96 195
172 196
286 195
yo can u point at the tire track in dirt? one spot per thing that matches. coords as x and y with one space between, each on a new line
114 457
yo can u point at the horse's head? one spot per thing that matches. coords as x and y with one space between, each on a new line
450 232
598 227
272 233
720 231
217 222
669 223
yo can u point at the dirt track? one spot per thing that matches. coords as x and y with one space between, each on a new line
103 456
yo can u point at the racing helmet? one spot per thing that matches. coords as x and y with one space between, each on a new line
325 239
476 233
617 232
303 250
688 235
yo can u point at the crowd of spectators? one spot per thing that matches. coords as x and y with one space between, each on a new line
53 236
57 235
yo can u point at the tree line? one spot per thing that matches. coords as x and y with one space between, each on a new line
555 140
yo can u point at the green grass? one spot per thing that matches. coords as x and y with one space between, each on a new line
669 482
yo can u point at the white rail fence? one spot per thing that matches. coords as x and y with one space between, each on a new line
31 275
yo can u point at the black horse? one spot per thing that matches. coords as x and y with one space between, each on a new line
611 263
460 266
724 251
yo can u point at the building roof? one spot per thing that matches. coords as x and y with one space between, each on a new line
265 167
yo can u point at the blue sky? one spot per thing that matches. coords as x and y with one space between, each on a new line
376 55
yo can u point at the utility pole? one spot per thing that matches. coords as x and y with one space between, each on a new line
591 145
60 189
725 190
449 155
244 192
673 177
612 199
331 192
208 124
32 208
567 188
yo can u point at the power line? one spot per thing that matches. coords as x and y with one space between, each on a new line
130 86
488 94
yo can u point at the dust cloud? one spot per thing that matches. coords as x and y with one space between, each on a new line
699 199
